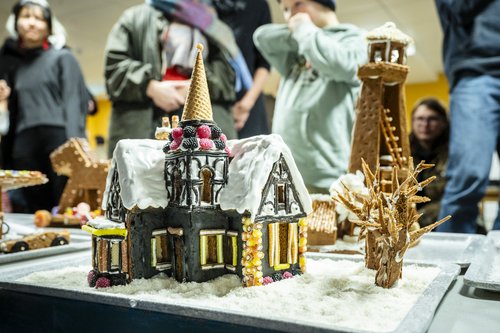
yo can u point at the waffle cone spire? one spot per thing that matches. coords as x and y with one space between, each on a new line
198 105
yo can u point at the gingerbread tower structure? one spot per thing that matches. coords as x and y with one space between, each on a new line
380 135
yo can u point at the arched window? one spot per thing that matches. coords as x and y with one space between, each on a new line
206 186
177 181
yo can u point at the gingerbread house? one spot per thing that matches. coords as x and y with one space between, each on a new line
185 208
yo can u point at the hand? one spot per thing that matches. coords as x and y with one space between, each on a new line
165 95
241 111
4 90
297 20
182 87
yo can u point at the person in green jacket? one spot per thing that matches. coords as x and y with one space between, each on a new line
318 59
136 76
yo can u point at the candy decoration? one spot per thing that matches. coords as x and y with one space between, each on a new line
267 280
190 143
102 282
175 144
223 137
287 275
204 132
216 132
219 144
189 132
176 133
206 144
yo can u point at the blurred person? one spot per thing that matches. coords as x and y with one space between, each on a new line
4 104
244 17
471 54
150 53
45 105
429 142
318 59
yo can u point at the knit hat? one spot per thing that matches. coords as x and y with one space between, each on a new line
327 3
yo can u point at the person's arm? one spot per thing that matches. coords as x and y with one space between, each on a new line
241 110
276 44
464 11
4 107
126 78
332 58
72 94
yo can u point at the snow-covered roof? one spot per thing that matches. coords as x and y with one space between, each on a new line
249 171
140 164
388 31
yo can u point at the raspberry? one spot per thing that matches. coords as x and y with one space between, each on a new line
204 132
176 133
206 144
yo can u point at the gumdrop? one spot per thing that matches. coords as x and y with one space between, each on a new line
204 132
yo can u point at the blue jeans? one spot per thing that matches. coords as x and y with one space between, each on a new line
474 137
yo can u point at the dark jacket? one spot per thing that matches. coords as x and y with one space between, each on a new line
133 58
47 89
435 190
471 44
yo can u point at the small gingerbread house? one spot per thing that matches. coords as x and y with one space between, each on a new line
380 135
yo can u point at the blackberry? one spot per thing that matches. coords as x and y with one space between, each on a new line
166 147
219 144
190 143
216 132
189 132
277 276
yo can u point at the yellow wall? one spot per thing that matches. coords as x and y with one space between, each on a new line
437 89
98 123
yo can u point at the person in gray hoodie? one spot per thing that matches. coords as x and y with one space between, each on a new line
318 59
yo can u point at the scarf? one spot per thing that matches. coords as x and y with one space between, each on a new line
202 17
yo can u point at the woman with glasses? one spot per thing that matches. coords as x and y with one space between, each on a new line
429 141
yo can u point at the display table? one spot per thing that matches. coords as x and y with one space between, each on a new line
463 309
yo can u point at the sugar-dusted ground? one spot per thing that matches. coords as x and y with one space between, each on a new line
333 293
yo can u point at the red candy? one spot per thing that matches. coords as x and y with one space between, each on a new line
267 280
287 275
223 137
206 144
176 143
226 149
102 282
204 132
177 133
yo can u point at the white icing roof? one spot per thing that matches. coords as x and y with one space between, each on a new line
389 32
140 164
249 171
104 223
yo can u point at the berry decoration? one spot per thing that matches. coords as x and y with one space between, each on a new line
204 132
